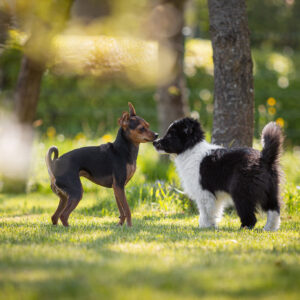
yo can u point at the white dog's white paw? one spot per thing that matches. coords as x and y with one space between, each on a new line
273 221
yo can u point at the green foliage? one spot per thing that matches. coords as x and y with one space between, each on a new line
92 105
291 199
74 104
272 23
10 61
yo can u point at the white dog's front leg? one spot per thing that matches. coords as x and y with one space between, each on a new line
207 210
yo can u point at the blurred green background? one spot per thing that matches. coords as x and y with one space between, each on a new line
90 105
85 88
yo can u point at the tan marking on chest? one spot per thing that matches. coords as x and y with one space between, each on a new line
130 170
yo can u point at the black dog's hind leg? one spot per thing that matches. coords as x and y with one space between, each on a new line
71 205
61 206
74 196
245 209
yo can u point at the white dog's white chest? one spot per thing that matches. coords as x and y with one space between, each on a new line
188 168
190 180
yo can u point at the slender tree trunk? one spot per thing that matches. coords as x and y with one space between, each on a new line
171 97
4 26
5 21
26 100
233 95
37 53
28 89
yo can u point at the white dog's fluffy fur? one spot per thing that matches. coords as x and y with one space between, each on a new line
250 177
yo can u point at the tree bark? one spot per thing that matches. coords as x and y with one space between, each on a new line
233 78
171 96
47 19
5 20
28 89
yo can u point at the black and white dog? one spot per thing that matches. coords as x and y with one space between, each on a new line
211 175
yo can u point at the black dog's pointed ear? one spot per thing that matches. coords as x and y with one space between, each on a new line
124 120
131 109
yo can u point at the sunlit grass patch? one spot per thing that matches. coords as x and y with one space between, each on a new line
163 255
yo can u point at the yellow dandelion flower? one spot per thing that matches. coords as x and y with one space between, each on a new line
79 136
107 138
272 111
271 101
280 122
51 132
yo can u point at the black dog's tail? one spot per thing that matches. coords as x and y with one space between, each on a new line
50 161
272 140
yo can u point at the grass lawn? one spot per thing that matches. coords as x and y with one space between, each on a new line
163 256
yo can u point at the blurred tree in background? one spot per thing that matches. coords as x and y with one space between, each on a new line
233 78
167 23
41 21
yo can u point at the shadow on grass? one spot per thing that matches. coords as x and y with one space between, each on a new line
108 278
145 229
112 273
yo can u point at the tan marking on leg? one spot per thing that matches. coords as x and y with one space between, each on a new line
120 195
120 207
61 206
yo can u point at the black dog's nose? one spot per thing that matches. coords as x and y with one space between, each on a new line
156 135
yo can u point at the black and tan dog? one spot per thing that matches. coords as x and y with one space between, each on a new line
109 165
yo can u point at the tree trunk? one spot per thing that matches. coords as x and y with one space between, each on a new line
233 78
171 97
5 21
28 89
4 27
46 20
26 100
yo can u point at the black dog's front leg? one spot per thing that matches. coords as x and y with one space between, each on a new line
122 205
119 204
